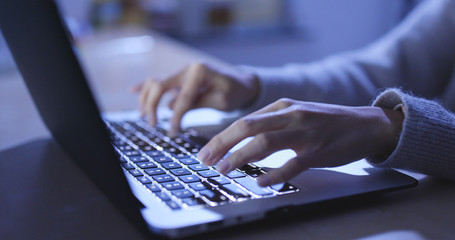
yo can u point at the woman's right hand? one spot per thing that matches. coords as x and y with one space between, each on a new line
198 85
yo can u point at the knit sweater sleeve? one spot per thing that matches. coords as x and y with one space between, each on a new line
427 140
418 49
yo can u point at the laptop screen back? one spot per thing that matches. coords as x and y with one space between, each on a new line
40 45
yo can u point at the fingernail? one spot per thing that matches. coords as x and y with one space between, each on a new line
150 121
264 181
172 133
223 166
204 155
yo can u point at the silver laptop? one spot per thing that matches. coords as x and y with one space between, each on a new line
154 180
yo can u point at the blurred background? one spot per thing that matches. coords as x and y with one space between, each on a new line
252 32
122 42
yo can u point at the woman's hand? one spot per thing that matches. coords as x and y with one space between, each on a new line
198 85
322 135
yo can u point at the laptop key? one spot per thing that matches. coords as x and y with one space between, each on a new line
178 140
235 174
138 159
146 165
162 159
217 181
198 167
119 143
140 143
253 186
144 180
182 193
180 171
123 148
154 153
123 160
213 195
198 186
164 145
133 138
192 201
252 170
179 155
190 178
171 165
209 173
136 173
189 161
163 178
172 205
132 153
173 150
235 190
153 187
163 196
284 187
128 166
155 171
172 185
147 148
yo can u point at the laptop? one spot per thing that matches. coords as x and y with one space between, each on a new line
154 180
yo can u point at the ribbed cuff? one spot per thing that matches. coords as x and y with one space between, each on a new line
427 140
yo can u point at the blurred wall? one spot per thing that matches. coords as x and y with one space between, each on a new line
322 27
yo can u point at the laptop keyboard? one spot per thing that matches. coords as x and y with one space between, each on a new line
168 168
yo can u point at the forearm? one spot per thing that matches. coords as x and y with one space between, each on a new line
417 55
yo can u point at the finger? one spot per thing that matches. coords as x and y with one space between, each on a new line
289 170
245 127
151 103
143 95
172 100
187 96
275 106
260 147
155 91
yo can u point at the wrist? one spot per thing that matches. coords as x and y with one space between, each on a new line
391 123
254 86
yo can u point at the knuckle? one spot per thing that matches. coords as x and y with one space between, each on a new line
215 142
285 102
265 140
245 124
223 102
152 82
157 85
198 67
185 95
295 115
237 158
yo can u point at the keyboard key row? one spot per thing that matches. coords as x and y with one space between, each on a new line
212 188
